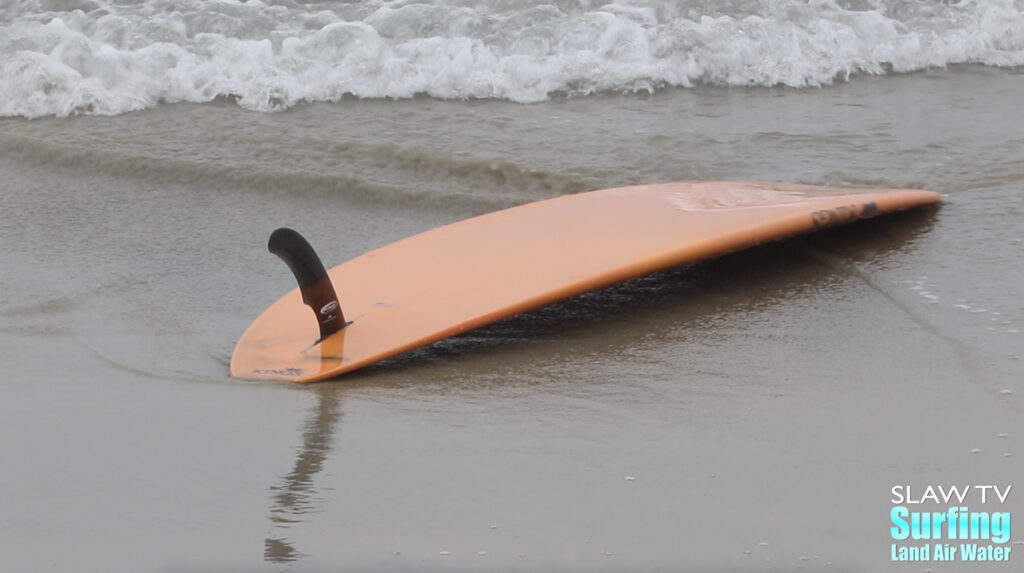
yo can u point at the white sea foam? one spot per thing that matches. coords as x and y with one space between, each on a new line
110 56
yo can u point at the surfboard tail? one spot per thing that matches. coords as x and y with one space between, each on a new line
314 283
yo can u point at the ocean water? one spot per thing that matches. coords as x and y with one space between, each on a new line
749 413
107 57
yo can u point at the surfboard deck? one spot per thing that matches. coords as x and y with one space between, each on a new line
470 273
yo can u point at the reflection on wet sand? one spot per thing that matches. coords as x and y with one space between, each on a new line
295 495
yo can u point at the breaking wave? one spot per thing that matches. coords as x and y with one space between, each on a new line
61 57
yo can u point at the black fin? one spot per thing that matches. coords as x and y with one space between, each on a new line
317 290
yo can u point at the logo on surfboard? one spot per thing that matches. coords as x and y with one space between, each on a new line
329 308
277 371
844 214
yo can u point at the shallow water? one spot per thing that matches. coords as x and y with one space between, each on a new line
749 413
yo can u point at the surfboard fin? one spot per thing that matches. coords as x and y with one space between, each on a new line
314 283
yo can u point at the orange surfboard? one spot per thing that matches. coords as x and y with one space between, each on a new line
473 272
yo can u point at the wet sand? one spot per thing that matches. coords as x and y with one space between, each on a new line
750 413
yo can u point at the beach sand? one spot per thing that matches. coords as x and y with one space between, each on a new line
750 413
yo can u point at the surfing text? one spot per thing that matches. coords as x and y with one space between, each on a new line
985 533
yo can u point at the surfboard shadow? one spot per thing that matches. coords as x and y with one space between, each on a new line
760 275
